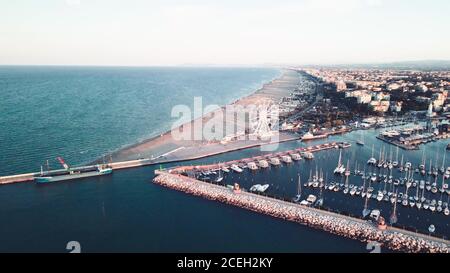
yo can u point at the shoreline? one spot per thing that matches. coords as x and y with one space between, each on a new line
162 144
160 149
156 136
164 149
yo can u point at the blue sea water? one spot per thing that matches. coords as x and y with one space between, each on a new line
80 113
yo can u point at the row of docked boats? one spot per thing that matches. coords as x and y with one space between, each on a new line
252 165
393 193
384 162
311 200
289 157
265 163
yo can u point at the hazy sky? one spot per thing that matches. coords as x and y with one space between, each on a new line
172 32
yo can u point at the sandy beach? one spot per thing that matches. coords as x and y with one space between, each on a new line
165 148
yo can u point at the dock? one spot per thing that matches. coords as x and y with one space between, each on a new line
353 228
413 144
27 177
267 157
398 144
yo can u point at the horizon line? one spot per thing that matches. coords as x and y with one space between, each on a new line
281 64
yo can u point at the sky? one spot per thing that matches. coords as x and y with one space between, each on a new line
228 32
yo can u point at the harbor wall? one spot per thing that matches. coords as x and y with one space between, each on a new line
392 238
27 177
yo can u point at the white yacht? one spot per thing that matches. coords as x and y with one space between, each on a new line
311 199
259 188
308 155
380 196
236 168
275 161
286 159
263 163
252 166
340 168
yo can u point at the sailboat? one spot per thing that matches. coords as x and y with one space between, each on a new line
319 202
366 211
393 219
430 171
363 190
446 210
431 228
401 165
361 140
417 193
443 164
372 160
347 170
442 189
380 160
220 177
422 165
395 163
340 168
298 197
422 199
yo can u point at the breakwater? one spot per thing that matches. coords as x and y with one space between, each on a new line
392 238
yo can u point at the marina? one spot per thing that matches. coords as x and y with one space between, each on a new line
361 186
411 137
392 238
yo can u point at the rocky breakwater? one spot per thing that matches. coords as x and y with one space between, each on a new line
353 228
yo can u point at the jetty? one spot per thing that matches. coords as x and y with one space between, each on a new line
294 154
27 177
411 142
358 229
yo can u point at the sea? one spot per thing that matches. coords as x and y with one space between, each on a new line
83 113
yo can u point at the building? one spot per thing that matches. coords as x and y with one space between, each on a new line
380 106
341 86
396 106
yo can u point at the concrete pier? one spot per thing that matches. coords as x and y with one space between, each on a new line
392 238
115 166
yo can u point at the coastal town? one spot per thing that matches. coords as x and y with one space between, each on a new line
341 100
320 113
403 109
